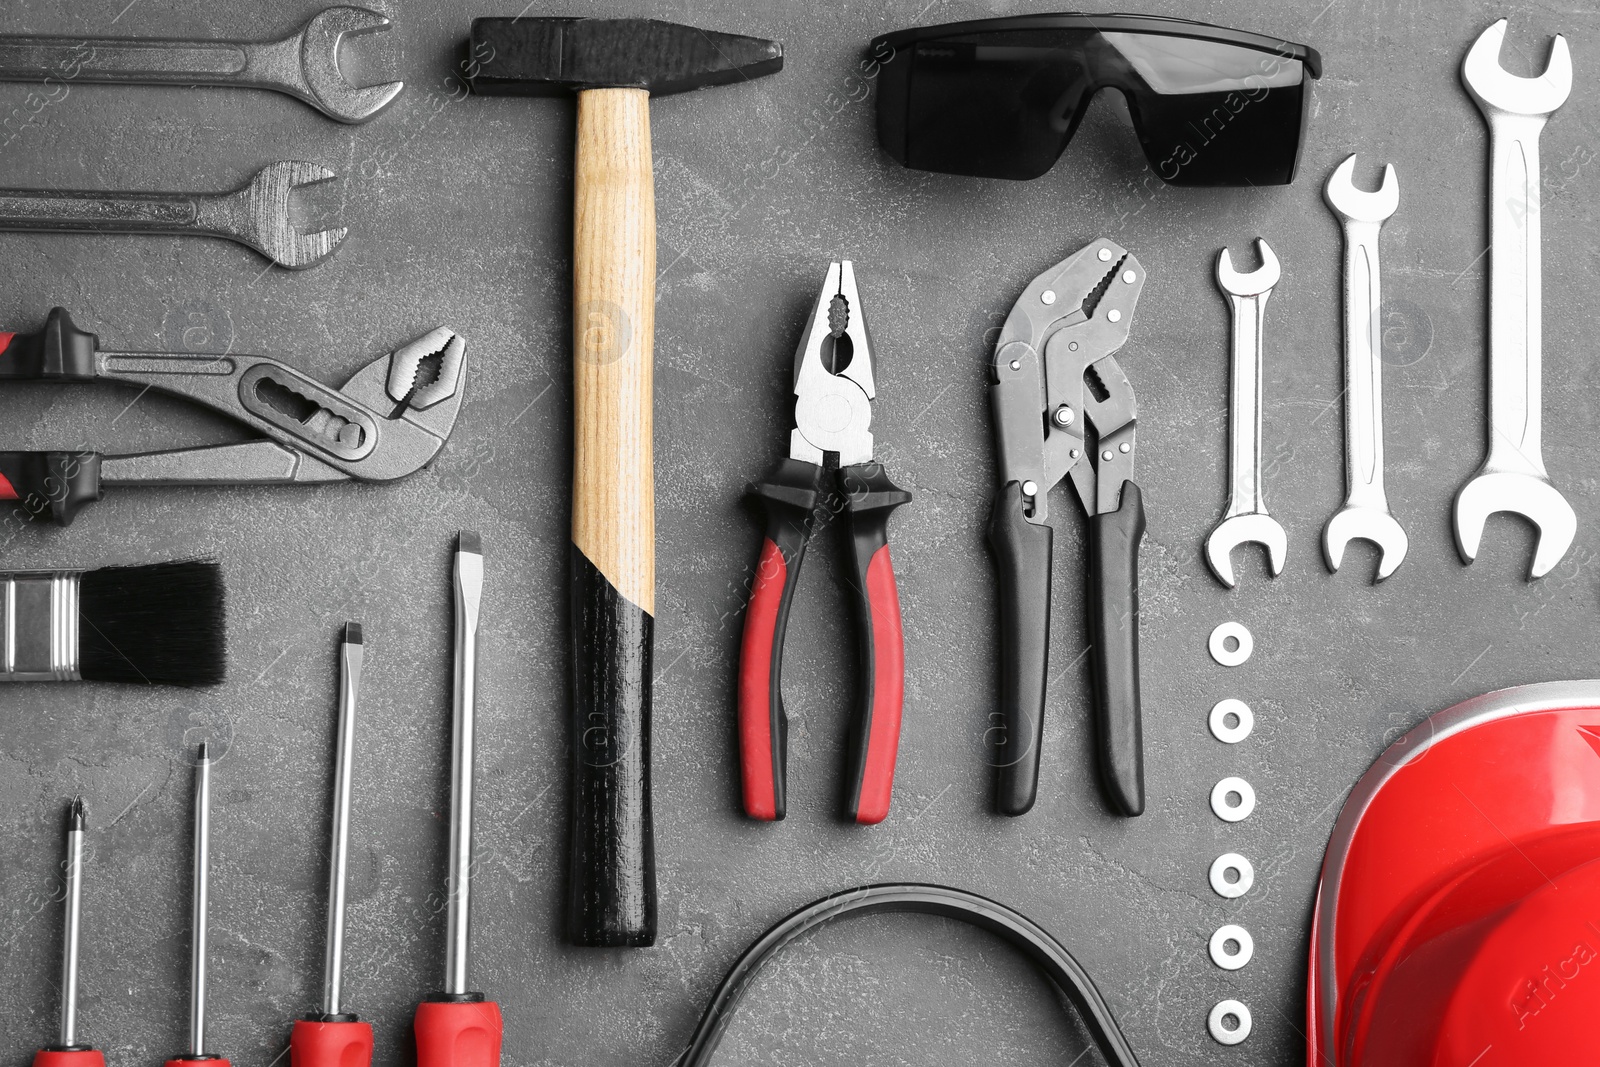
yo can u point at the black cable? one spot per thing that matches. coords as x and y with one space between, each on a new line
1016 929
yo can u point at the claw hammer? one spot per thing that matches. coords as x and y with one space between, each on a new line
614 65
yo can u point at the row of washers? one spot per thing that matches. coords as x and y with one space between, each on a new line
1232 800
1512 477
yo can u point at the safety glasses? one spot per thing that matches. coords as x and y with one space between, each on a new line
1000 98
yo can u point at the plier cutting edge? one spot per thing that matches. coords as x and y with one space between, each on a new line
833 389
1055 379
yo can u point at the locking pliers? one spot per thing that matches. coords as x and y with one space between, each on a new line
388 421
833 391
1063 408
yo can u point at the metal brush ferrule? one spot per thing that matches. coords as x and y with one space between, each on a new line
40 628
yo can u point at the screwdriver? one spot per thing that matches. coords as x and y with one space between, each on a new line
334 1037
67 1052
199 901
457 1027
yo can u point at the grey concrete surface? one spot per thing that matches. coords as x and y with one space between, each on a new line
459 215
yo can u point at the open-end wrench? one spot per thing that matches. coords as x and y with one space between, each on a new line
304 65
1365 514
1246 518
1513 477
256 215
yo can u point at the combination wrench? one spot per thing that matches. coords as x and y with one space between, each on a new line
305 65
256 215
1246 519
1365 514
1513 477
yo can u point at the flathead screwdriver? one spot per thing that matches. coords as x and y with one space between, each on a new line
334 1037
458 1027
66 1052
199 906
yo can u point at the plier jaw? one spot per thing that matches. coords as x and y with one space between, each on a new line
833 382
1063 408
833 386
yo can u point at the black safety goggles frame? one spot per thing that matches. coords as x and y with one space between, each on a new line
899 128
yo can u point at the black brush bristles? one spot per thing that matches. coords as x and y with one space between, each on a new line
159 624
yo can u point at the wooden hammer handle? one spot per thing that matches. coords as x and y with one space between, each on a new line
611 896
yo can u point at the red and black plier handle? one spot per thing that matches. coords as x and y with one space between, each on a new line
789 497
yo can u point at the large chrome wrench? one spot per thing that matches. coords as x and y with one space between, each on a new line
1246 519
1513 477
1365 515
305 65
256 215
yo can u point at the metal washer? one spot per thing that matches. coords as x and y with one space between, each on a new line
1231 735
1232 961
1222 1035
1232 861
1218 647
1233 812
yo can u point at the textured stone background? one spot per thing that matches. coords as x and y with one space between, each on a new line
459 215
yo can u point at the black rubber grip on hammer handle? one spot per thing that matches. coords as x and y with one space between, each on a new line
611 883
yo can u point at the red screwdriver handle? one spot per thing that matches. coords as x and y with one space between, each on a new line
68 1057
788 497
458 1033
340 1043
197 1061
875 726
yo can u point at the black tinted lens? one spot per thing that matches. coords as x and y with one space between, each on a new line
992 105
1004 103
1209 113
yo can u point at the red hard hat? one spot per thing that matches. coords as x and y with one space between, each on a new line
1457 921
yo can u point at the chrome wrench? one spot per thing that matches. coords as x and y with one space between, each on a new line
256 215
1246 519
1513 477
1365 514
305 65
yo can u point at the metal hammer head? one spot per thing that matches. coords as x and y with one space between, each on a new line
1358 205
548 56
319 63
1261 280
1495 90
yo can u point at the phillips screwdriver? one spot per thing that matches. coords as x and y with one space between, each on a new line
458 1027
334 1037
199 902
66 1052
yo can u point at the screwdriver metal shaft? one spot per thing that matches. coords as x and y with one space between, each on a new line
199 909
468 598
69 939
458 1027
200 903
334 1037
350 655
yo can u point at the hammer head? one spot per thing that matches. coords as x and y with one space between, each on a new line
548 56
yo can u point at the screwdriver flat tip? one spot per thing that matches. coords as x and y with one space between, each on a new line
469 541
352 633
202 753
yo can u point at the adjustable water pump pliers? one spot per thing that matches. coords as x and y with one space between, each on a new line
388 421
1062 407
833 390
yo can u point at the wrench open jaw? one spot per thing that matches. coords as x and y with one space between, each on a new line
258 216
1365 515
1246 519
1496 89
326 87
1513 478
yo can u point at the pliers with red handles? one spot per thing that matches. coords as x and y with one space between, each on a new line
833 389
